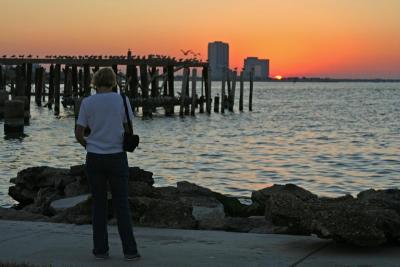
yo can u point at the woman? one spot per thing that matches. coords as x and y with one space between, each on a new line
104 114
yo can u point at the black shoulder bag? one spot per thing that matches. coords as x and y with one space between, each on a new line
131 141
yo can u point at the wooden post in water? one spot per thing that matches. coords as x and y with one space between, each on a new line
86 74
165 87
131 74
1 78
228 82
223 92
26 108
232 94
38 85
74 80
81 83
3 99
185 80
207 87
216 103
19 80
146 109
241 92
251 90
50 98
57 74
194 93
14 117
154 82
115 68
67 84
28 90
169 109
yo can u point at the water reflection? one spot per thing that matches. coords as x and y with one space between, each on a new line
330 138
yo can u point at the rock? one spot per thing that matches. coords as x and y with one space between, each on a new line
187 188
138 175
387 199
204 208
70 202
263 195
21 194
232 206
141 189
77 214
77 170
162 213
167 193
20 215
76 189
345 219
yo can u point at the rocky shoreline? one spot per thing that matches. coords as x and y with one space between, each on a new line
61 196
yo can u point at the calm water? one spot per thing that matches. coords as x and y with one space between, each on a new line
331 138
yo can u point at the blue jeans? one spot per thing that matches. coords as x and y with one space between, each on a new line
113 168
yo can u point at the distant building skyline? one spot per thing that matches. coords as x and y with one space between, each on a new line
261 67
218 58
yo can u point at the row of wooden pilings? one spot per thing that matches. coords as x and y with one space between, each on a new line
16 112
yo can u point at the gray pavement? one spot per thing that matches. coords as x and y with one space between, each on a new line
70 245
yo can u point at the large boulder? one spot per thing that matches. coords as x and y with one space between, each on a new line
162 213
138 175
76 210
344 219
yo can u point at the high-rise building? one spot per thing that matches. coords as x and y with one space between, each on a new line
218 58
260 66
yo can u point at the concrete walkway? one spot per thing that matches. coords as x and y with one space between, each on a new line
70 245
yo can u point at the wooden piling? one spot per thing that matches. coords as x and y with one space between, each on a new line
232 94
28 90
86 82
154 82
165 84
67 83
81 83
115 68
229 88
169 109
146 109
207 87
185 80
1 78
131 73
3 99
75 89
39 85
216 104
50 98
27 114
241 92
19 80
14 117
224 75
57 74
194 93
251 90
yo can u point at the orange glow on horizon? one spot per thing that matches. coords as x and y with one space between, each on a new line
278 77
313 38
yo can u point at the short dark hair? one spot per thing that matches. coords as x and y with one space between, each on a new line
104 77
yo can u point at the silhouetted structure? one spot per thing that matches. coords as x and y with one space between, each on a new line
218 58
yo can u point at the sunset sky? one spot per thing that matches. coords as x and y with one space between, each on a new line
329 38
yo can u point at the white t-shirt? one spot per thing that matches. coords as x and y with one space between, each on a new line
104 114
